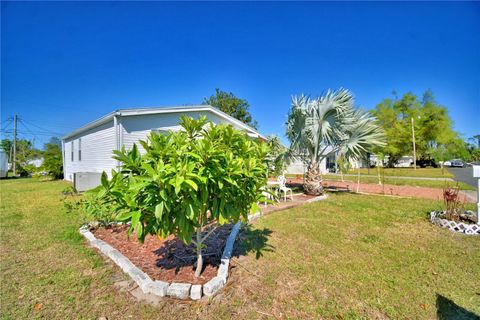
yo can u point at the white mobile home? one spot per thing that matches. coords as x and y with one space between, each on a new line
3 164
87 151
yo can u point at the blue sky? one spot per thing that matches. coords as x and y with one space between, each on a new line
64 64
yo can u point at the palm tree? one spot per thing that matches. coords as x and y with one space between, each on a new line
328 125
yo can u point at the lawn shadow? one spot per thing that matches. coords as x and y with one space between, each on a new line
252 240
447 309
174 254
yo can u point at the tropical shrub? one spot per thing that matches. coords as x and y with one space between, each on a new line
187 181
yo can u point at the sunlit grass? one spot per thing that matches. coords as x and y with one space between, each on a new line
349 257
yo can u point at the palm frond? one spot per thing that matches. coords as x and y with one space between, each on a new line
329 123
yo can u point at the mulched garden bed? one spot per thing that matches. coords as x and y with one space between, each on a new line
167 259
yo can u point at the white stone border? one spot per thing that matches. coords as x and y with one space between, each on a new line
162 288
318 198
176 290
460 227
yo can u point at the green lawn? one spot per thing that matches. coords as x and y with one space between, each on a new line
407 172
402 181
349 257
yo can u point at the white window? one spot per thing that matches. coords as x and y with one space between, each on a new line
73 150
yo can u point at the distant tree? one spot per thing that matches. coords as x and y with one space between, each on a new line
434 134
476 155
57 141
6 146
476 138
25 152
231 105
52 158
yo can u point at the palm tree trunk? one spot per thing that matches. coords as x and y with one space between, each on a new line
313 180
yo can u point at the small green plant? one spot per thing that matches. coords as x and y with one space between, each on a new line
68 191
344 165
186 182
90 205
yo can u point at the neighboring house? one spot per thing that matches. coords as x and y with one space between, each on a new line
37 162
404 162
87 151
329 164
299 166
364 163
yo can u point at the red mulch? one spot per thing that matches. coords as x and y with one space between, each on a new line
167 259
387 189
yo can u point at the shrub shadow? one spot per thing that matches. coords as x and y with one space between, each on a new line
174 254
447 309
252 240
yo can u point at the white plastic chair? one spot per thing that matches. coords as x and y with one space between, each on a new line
283 188
267 195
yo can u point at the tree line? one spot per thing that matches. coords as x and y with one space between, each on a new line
26 153
435 138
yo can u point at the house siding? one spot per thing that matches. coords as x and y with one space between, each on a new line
99 142
97 145
135 128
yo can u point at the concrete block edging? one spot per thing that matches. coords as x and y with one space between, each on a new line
162 288
175 290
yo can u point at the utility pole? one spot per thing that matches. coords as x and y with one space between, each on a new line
14 145
414 151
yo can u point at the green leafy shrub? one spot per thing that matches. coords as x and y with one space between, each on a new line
52 158
186 181
96 208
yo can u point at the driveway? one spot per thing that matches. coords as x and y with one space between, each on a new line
464 175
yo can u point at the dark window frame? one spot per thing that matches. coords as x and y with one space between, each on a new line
80 149
73 151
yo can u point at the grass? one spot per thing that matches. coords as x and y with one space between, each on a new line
402 181
407 172
349 257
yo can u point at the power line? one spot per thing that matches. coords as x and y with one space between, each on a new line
5 120
29 133
28 129
43 129
10 121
